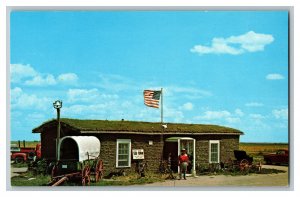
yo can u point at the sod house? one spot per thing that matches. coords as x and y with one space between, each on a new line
125 143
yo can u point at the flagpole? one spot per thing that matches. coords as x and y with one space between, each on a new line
162 127
162 108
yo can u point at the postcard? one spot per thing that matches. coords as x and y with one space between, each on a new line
138 98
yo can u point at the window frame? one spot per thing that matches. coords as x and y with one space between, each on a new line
214 142
120 141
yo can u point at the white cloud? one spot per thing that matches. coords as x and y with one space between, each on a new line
233 120
254 104
219 46
20 71
146 114
39 80
173 114
252 41
187 106
274 76
235 45
258 121
21 100
221 117
89 95
84 95
68 78
257 116
29 76
15 93
210 115
239 112
280 113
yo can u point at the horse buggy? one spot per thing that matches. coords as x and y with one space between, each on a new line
242 162
78 161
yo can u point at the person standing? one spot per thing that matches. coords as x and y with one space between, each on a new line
183 160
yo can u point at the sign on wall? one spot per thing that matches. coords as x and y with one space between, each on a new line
138 153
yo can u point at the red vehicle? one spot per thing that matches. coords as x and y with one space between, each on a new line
23 154
280 157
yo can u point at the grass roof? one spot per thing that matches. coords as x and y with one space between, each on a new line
97 126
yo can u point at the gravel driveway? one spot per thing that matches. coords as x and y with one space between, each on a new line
265 180
16 171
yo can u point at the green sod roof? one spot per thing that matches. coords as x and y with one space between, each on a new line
110 126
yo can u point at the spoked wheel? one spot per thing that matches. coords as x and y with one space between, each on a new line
54 174
54 171
244 165
99 170
86 175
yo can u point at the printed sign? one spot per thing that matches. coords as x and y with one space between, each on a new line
138 153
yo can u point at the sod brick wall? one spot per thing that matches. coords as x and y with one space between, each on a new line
152 152
228 143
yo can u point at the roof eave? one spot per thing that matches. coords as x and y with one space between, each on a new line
156 133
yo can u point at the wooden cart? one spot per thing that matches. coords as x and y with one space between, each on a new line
79 161
243 161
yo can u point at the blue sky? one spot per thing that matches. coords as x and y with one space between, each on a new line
215 67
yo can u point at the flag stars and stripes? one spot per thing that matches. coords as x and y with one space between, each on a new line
151 98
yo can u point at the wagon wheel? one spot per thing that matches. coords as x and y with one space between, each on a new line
244 165
54 171
99 170
86 178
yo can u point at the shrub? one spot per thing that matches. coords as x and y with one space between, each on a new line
38 167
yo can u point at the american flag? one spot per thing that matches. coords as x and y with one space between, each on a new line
151 98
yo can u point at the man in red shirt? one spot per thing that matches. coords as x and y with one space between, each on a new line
183 161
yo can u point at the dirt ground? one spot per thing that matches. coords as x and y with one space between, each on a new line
264 180
16 171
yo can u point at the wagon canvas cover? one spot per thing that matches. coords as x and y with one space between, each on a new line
88 146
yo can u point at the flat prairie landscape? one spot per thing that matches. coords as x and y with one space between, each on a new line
262 148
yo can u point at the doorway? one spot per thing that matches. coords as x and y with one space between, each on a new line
173 146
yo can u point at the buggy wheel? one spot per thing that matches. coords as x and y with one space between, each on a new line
54 172
244 165
86 175
99 170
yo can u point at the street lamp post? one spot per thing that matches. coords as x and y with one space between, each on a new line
57 105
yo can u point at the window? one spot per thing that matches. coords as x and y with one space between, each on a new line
123 153
214 151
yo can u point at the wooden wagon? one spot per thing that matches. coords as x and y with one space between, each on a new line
243 161
78 161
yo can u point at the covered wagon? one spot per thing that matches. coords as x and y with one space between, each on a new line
78 160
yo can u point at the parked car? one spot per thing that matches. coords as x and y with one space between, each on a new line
23 154
280 157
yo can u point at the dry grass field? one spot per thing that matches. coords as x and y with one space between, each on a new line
262 148
30 144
